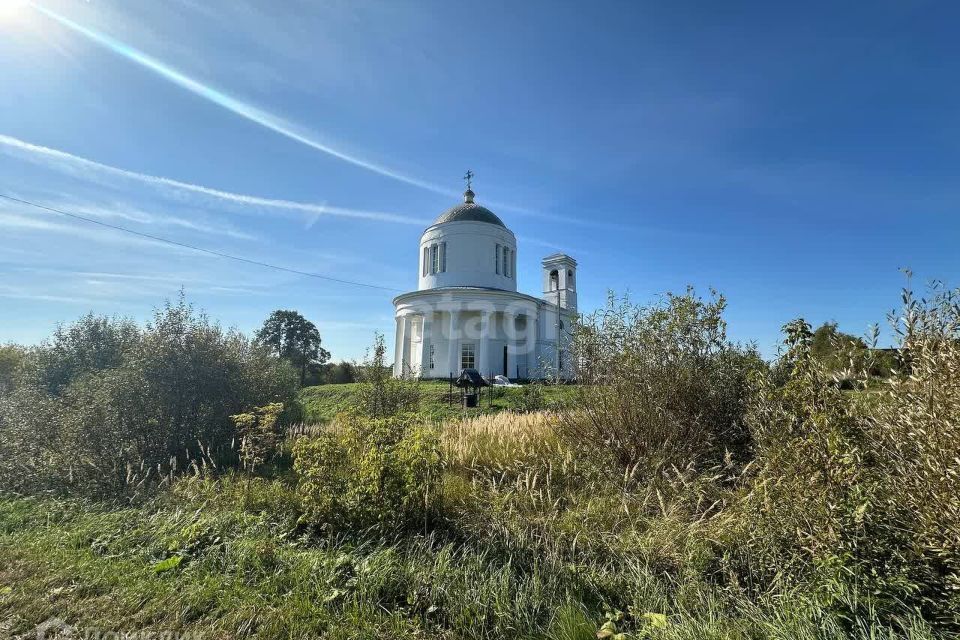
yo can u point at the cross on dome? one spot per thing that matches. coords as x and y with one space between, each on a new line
468 194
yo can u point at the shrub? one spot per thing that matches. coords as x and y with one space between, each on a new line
858 491
11 357
114 398
914 437
93 343
380 394
259 435
659 386
342 372
30 448
807 481
531 398
364 472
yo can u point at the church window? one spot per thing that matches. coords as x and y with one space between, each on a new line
426 260
468 355
438 257
496 261
513 262
432 353
506 262
554 280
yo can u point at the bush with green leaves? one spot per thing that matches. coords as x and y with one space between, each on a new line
531 398
342 372
259 434
369 472
858 490
660 386
105 403
11 357
380 394
804 488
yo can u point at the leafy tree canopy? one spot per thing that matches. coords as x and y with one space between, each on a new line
294 338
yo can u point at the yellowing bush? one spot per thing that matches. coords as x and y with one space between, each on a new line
364 472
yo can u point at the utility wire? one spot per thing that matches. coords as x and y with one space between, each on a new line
184 245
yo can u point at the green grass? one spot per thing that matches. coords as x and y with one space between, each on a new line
321 403
200 558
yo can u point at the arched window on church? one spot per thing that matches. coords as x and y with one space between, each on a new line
554 280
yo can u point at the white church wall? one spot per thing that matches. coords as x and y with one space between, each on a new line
415 336
471 256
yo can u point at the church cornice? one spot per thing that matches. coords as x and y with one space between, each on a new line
441 292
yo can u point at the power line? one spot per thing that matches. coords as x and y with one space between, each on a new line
184 245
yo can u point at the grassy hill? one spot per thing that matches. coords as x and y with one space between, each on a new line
522 544
693 491
322 403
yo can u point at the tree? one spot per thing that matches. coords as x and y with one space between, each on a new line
847 356
833 346
294 338
339 373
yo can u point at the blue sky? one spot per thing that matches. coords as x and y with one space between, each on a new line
794 156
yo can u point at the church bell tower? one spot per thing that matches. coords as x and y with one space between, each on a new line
560 281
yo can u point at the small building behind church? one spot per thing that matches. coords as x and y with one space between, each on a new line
467 313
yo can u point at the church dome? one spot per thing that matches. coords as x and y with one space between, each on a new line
469 211
478 252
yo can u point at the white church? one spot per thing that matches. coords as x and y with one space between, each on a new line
467 313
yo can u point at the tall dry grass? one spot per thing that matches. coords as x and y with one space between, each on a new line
502 439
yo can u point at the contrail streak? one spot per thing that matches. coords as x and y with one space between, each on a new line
34 152
242 109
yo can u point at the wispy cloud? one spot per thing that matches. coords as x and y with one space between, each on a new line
310 211
295 132
163 278
88 286
144 217
83 166
18 293
591 222
238 107
43 222
550 245
121 211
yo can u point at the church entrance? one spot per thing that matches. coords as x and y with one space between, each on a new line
505 372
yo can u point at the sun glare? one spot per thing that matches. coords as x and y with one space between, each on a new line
12 10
